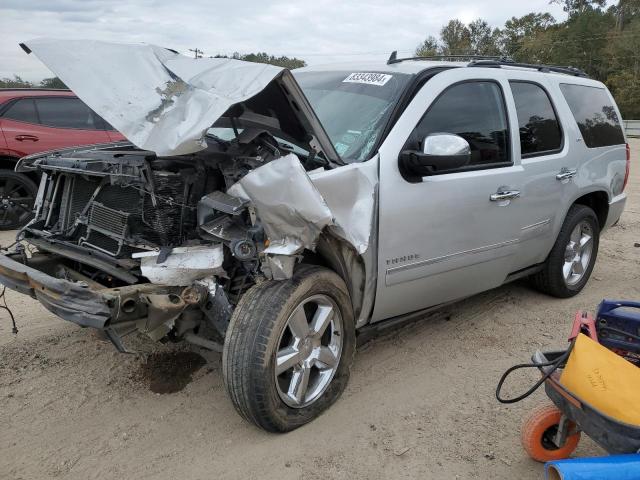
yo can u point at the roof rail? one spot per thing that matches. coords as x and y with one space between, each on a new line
493 61
567 70
393 58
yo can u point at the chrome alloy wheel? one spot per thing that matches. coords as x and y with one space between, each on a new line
309 351
578 253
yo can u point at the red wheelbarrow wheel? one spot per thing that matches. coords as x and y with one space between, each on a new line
538 430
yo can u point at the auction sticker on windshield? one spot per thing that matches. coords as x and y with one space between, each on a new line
368 78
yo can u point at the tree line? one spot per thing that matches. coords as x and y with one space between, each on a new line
261 57
602 41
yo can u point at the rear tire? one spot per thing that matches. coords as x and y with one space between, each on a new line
17 196
268 389
573 256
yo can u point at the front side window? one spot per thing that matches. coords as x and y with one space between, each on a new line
23 110
538 125
353 107
63 112
476 112
595 114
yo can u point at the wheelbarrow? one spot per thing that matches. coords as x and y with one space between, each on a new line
552 431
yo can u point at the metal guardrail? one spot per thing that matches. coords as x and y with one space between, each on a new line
632 128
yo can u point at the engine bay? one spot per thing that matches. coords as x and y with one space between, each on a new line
121 205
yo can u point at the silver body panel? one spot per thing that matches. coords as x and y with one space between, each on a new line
443 239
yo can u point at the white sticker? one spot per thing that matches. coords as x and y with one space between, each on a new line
368 78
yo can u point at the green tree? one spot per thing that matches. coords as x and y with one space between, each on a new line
15 82
428 48
483 39
576 7
53 82
518 30
455 38
263 57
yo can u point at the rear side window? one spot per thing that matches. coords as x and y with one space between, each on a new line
596 116
23 110
476 112
539 128
67 113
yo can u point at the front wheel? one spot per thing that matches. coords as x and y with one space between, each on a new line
288 349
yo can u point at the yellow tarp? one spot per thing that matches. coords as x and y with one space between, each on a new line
604 380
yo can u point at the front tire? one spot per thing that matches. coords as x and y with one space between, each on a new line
288 349
573 256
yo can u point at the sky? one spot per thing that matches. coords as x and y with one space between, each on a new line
318 31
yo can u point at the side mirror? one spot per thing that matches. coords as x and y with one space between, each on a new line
440 152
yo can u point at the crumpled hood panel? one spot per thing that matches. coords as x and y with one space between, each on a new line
160 100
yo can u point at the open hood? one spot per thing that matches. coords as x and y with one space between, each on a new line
165 102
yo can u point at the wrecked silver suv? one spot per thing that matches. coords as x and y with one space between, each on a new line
251 218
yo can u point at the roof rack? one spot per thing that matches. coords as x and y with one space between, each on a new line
496 61
567 70
393 58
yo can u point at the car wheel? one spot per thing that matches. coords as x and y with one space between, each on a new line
288 349
17 195
569 265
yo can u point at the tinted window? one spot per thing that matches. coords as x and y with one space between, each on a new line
22 110
538 125
475 111
66 113
596 116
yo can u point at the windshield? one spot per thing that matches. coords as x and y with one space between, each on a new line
353 107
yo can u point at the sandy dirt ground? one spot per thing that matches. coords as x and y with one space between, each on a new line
420 403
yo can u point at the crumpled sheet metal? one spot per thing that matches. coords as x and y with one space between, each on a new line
159 100
349 192
290 207
294 207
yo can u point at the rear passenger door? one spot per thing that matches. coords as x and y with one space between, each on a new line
549 166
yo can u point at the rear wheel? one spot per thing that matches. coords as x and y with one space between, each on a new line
573 256
289 348
17 196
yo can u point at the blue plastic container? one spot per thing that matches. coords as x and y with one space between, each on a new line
618 328
616 467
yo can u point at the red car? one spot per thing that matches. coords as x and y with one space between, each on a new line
37 120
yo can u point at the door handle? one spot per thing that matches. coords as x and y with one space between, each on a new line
501 195
22 138
566 174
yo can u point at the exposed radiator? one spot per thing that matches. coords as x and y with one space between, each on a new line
119 217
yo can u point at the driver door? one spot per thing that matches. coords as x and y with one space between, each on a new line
453 234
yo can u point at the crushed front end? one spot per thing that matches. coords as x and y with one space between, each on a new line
124 240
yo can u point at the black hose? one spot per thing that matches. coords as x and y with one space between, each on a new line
14 330
555 364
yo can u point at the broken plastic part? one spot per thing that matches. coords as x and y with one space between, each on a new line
183 265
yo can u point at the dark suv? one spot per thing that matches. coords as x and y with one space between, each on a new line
38 120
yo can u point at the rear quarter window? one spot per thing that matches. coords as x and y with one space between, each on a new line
595 114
